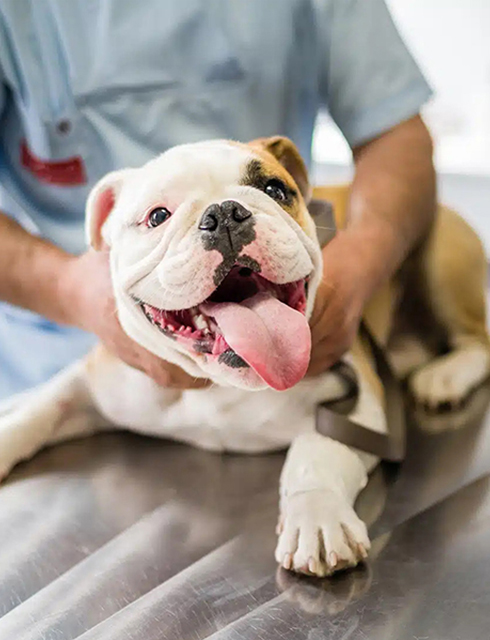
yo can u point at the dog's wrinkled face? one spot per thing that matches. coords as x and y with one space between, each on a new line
214 259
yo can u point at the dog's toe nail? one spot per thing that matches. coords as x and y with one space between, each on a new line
333 559
312 566
362 551
279 527
287 561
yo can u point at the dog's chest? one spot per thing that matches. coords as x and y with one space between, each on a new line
218 418
233 420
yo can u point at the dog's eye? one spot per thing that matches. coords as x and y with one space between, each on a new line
158 216
276 190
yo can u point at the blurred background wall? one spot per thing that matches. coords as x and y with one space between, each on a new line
450 39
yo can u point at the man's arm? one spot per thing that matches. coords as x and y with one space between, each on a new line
393 197
30 270
77 291
392 204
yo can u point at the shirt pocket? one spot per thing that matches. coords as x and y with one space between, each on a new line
115 83
152 48
155 74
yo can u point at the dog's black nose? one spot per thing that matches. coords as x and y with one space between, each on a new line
227 214
227 228
210 218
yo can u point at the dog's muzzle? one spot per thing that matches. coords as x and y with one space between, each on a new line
246 322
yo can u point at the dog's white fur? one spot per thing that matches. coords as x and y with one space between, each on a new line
319 531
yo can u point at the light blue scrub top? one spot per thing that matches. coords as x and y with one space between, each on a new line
97 86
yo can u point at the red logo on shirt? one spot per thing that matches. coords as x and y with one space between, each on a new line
63 173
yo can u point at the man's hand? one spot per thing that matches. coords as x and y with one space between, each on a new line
340 300
392 204
86 283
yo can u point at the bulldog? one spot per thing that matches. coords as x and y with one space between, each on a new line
215 264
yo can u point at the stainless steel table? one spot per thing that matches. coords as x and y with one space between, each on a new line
130 538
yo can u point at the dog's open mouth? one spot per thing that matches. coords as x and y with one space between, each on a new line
247 321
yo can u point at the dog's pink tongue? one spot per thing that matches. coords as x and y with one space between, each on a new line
271 337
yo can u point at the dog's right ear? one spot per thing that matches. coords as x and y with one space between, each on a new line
287 154
100 203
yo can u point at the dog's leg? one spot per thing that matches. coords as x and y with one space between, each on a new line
57 410
455 273
319 531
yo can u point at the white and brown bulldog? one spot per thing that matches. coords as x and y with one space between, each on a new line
215 264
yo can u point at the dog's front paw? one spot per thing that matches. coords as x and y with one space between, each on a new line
320 533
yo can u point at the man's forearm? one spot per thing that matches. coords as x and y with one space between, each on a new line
393 199
30 270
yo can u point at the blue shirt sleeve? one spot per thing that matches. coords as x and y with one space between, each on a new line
2 91
369 80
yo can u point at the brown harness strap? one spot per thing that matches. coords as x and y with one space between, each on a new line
388 446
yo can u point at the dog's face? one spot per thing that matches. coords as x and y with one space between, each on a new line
214 259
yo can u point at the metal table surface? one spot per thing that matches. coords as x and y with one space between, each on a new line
119 536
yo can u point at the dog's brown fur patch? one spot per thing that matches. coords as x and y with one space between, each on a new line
269 166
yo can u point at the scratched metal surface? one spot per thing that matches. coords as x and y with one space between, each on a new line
129 538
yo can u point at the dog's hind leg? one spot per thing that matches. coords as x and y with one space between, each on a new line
58 410
454 271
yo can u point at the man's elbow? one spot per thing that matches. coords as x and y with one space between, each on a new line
422 141
424 145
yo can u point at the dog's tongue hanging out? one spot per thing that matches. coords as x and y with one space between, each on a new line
270 336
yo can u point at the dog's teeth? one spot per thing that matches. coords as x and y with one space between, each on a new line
200 322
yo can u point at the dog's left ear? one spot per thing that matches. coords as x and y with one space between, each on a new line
100 204
287 154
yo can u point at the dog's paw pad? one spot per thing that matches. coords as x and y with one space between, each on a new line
446 382
321 534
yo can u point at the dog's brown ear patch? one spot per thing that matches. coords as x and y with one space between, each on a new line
287 154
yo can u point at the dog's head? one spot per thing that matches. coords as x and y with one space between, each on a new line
214 258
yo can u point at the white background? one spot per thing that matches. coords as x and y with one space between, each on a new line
450 39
